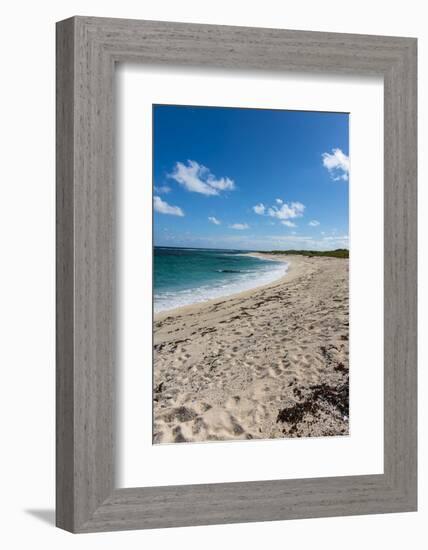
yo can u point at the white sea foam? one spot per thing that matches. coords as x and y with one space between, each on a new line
246 280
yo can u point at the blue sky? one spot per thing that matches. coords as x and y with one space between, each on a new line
250 179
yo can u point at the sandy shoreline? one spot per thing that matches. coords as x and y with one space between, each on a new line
292 270
265 363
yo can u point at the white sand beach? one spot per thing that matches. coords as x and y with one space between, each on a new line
271 362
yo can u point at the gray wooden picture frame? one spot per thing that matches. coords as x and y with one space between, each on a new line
87 50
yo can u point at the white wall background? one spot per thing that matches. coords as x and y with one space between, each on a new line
27 271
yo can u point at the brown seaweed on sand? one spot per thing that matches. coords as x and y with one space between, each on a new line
319 396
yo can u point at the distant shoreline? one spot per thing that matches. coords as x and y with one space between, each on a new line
336 253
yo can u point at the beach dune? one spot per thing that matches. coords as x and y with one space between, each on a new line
271 362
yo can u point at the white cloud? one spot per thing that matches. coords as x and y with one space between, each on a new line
214 220
198 179
239 226
259 209
287 211
283 211
337 164
288 223
306 242
336 238
162 189
164 208
314 223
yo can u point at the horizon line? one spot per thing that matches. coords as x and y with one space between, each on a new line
250 249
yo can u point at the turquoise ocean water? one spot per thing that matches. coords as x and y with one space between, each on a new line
184 276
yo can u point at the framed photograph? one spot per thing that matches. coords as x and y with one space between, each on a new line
250 342
236 274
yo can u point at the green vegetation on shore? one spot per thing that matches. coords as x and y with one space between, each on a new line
338 253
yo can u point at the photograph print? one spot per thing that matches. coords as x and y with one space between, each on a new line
250 274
